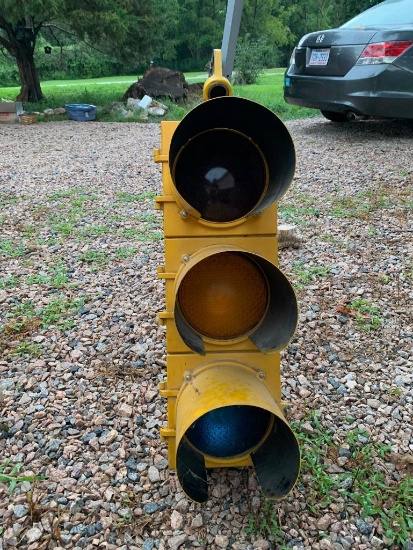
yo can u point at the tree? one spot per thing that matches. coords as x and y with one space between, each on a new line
201 24
132 27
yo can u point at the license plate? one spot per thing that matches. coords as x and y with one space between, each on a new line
319 56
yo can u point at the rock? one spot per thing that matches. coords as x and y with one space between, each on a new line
33 534
307 428
25 399
261 544
376 542
88 437
108 438
153 474
53 445
20 511
158 104
118 109
49 112
222 541
77 470
58 111
324 522
150 507
177 520
124 410
197 521
182 506
363 527
133 103
156 111
175 542
9 537
77 506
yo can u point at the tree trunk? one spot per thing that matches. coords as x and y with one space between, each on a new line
30 84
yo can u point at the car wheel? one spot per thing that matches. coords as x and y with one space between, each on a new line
335 117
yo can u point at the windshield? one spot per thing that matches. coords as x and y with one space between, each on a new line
391 12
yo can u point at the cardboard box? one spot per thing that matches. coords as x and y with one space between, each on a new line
10 111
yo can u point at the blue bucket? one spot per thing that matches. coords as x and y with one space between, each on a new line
80 112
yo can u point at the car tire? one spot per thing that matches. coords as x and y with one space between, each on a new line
335 117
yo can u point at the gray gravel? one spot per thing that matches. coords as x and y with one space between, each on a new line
81 354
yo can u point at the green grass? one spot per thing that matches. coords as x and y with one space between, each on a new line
367 316
264 523
26 348
104 91
94 256
125 252
124 196
10 474
306 274
363 483
57 277
10 249
269 92
58 313
298 214
10 281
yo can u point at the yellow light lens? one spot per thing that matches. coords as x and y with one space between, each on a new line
224 296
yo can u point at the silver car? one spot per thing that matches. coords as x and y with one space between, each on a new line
364 68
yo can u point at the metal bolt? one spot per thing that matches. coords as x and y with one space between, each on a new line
188 377
261 375
184 214
185 258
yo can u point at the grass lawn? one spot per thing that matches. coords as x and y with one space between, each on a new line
104 91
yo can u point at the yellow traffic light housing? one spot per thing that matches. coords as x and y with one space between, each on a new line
217 85
230 158
229 309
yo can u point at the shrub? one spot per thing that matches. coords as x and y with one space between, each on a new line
252 56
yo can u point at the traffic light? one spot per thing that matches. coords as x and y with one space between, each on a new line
229 309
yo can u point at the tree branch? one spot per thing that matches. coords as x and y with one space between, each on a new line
4 24
7 45
94 48
49 25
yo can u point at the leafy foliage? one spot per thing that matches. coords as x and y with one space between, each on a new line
364 480
10 474
112 37
251 58
128 29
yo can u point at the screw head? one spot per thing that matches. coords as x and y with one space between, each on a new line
184 214
185 258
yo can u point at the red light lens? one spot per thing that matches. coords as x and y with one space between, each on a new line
386 49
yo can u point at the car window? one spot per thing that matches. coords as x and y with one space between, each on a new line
391 12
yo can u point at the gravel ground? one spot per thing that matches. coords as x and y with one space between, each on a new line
81 354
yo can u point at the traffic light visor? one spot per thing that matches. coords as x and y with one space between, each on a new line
225 411
229 295
230 158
